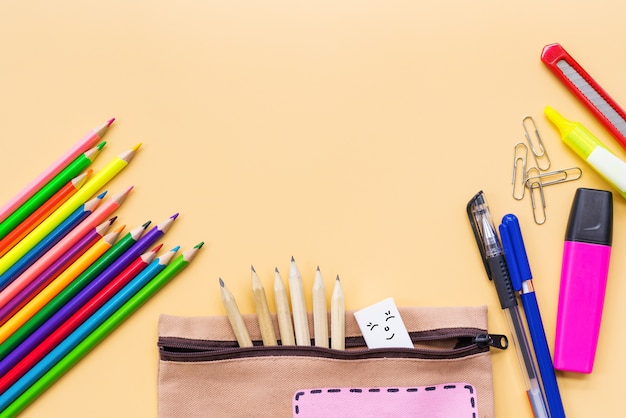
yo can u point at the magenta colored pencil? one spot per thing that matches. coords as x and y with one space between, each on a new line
56 268
88 141
88 292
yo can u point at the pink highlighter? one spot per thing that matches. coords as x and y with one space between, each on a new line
584 272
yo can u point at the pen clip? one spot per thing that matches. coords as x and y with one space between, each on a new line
477 200
514 251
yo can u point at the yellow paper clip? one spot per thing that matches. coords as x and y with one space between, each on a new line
539 153
518 180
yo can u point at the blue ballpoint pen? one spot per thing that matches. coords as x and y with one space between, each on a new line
521 278
495 264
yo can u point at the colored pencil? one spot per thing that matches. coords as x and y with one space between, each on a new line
61 247
15 365
70 273
337 318
48 241
262 311
283 312
93 185
43 212
320 312
298 306
57 267
61 293
68 173
91 289
234 316
88 141
29 388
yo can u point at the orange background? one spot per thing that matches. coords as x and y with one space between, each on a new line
349 135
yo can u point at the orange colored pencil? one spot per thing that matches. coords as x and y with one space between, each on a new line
58 284
43 211
98 216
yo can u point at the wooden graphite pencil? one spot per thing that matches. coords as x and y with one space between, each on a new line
35 386
337 318
59 283
266 325
298 306
283 312
63 293
320 312
49 240
234 316
50 256
49 189
88 141
89 189
57 267
43 212
17 363
91 289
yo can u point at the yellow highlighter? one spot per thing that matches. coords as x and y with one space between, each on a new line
590 149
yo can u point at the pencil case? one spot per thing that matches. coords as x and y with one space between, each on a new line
203 372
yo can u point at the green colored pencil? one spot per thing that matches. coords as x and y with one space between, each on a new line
100 333
76 167
72 289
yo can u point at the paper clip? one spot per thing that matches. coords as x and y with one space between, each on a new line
520 175
539 153
553 177
539 214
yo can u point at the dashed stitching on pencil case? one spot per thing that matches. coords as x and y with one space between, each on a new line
469 388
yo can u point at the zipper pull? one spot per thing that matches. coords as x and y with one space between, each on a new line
498 341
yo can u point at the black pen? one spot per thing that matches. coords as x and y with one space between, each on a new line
495 264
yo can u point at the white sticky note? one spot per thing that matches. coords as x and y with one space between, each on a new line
382 326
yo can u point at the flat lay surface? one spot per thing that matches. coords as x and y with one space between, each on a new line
348 135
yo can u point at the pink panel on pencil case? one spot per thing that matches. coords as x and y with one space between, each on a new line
456 400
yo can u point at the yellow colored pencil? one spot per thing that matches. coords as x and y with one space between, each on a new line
58 284
89 189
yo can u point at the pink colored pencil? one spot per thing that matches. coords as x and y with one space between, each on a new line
38 267
88 141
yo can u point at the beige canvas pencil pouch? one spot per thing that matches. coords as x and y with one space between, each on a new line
203 372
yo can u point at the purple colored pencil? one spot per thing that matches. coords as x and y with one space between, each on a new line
89 291
56 268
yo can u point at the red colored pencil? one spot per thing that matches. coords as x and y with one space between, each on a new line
77 319
43 211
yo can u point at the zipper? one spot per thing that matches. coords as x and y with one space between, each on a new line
467 341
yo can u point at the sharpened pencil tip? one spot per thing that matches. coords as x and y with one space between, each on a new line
136 147
174 216
275 269
293 259
110 121
221 282
199 245
252 268
175 248
337 278
147 224
101 145
157 248
318 268
101 195
112 220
